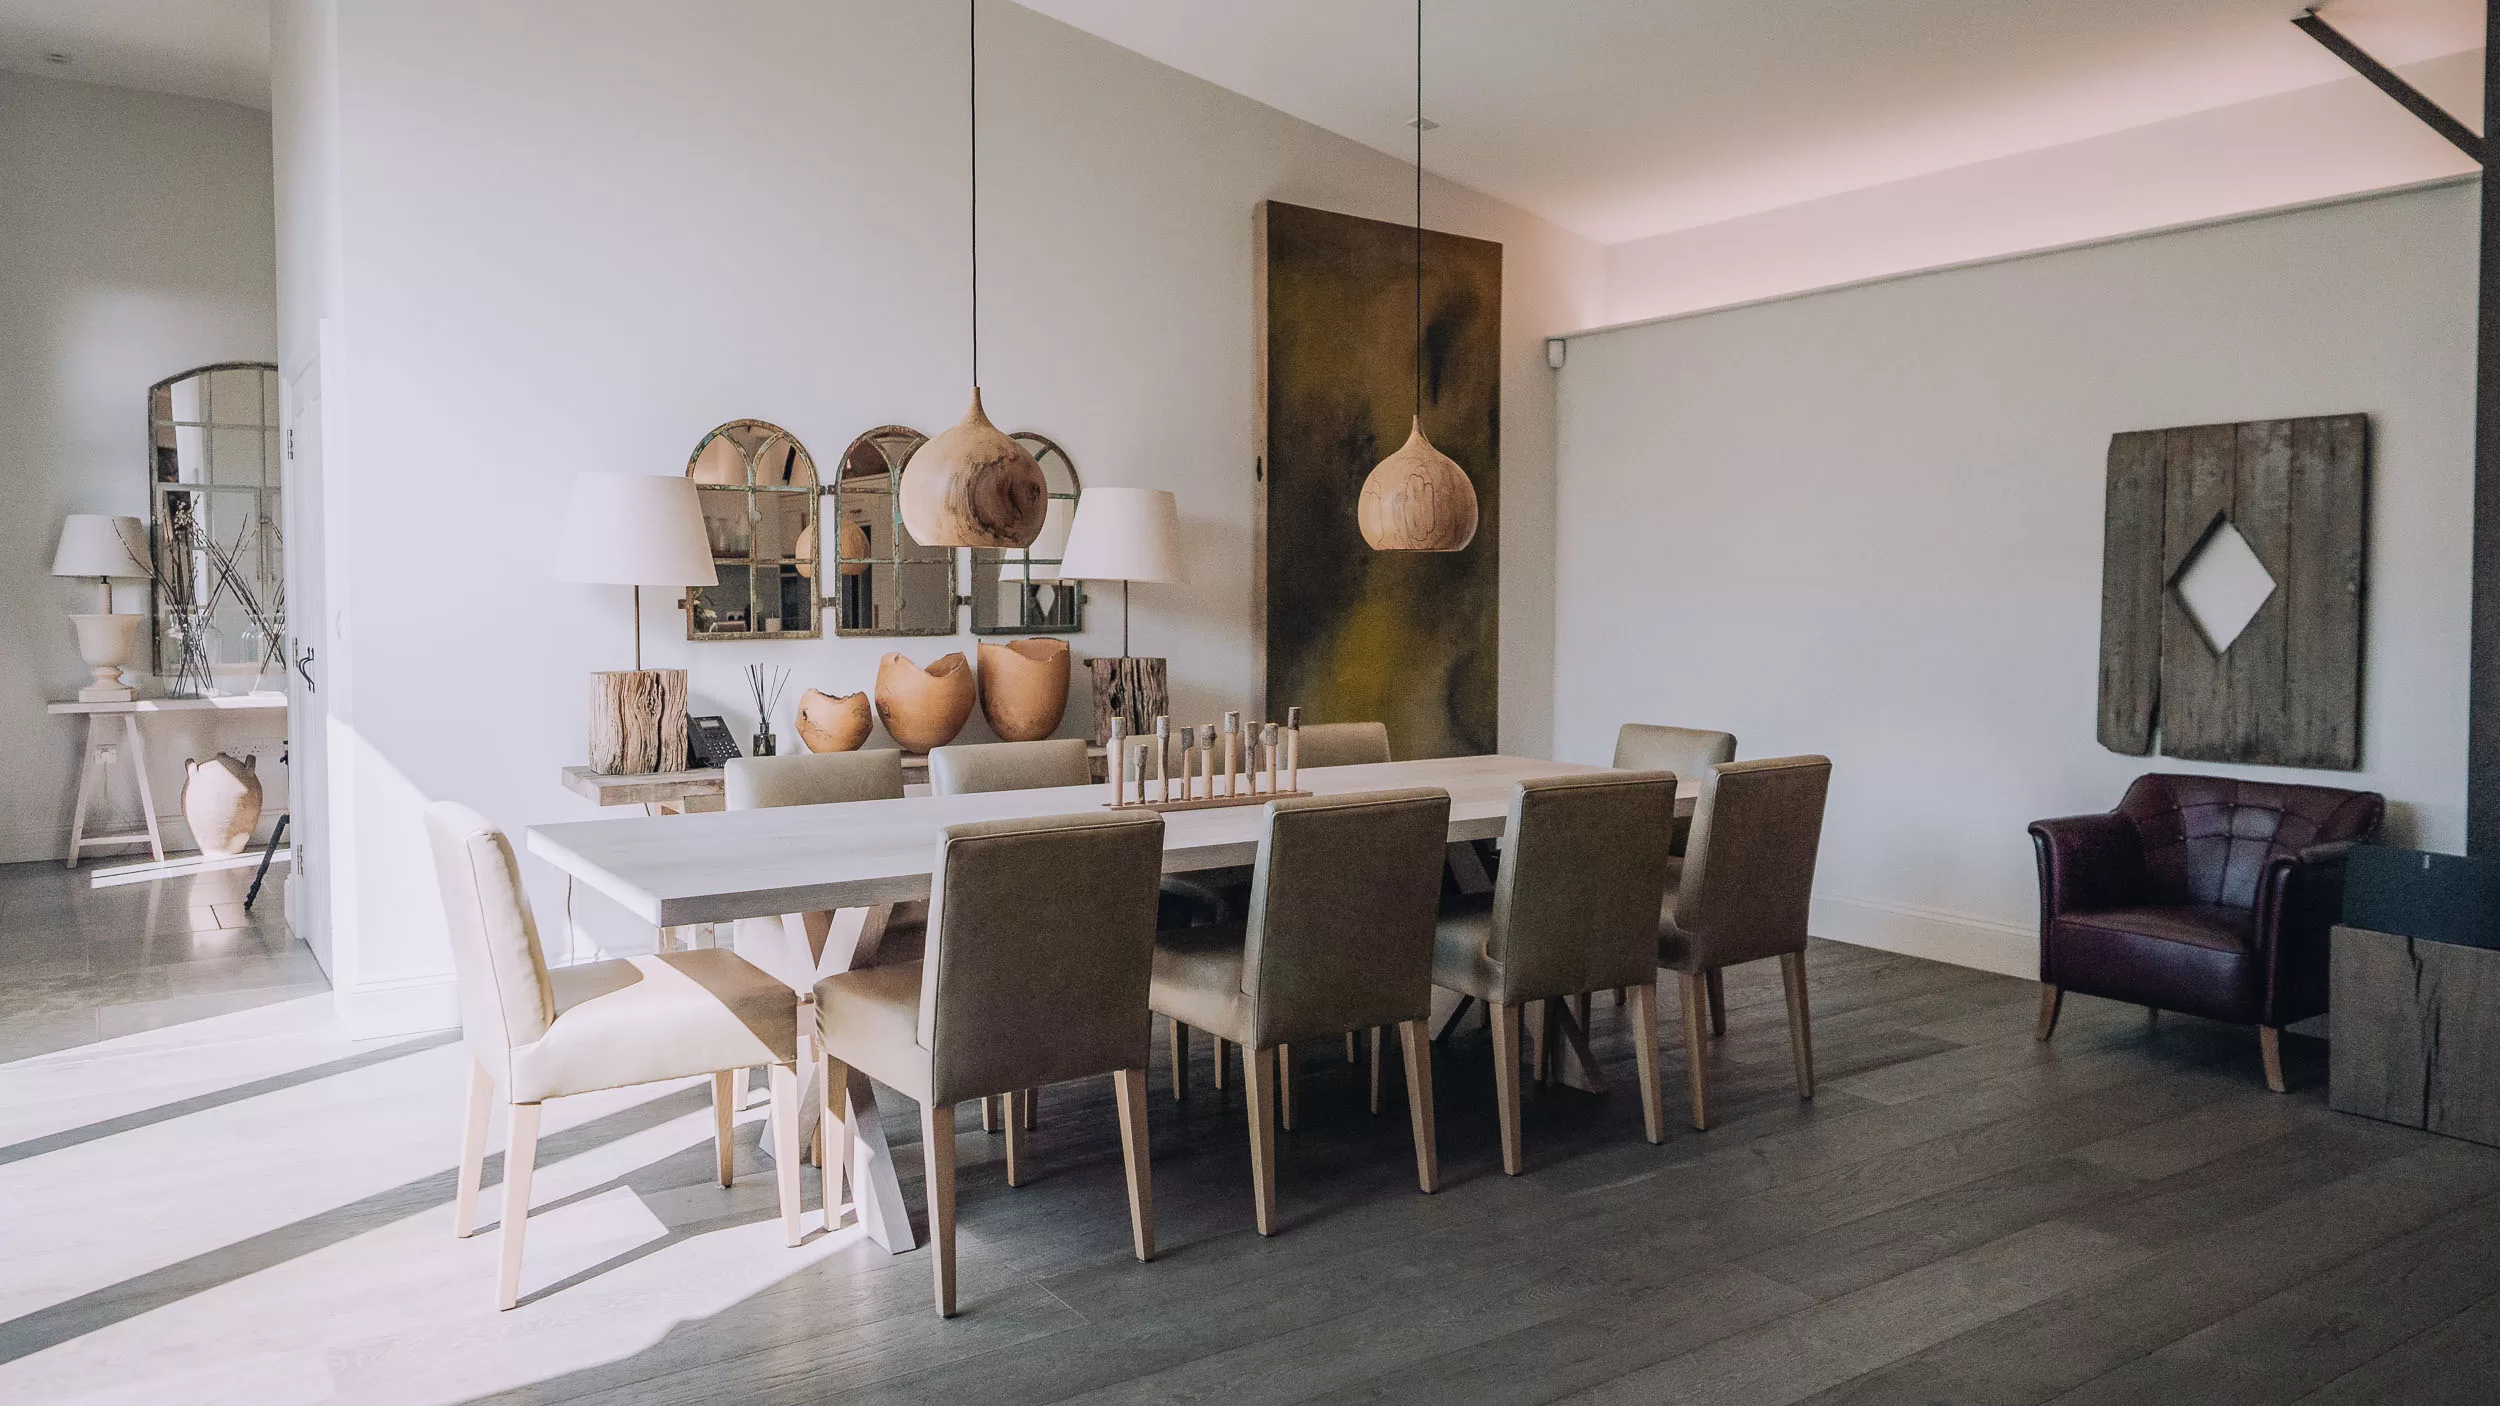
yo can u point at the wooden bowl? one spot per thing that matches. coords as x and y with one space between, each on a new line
833 723
1024 687
923 708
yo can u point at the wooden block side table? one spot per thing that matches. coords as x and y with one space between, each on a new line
2417 1033
113 728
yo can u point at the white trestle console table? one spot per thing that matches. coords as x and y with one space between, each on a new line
863 857
104 721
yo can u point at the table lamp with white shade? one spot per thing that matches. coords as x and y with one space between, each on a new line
1125 535
636 530
108 549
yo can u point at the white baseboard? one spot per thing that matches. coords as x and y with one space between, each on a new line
417 1005
2008 949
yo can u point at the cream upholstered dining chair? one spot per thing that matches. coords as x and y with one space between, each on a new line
1574 910
1009 766
536 1034
1337 938
1041 938
1743 893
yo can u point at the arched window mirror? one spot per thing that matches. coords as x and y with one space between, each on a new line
884 582
1020 591
220 597
758 488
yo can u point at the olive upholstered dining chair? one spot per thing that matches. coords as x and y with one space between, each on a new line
1337 938
535 1034
1009 766
1344 744
1041 941
1686 751
1574 910
1743 893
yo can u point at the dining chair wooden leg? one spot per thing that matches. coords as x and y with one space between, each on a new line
1129 1089
1532 1015
520 1157
1258 1083
1416 1036
1352 1054
473 1150
1715 982
989 1114
1013 1122
1375 1032
1219 1064
2270 1045
833 1108
1645 1061
1284 1085
1697 1045
1180 1061
1800 1020
937 1146
725 1095
1506 1084
2050 1000
786 1142
1030 1106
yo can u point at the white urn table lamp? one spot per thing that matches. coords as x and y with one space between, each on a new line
107 549
1125 535
636 530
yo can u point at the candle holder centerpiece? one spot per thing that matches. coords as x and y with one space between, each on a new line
1242 765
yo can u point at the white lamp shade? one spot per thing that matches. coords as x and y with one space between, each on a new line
634 530
1124 534
93 544
1053 543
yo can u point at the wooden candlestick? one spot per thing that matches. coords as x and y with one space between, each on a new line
1293 749
1232 750
1163 755
1119 761
1267 742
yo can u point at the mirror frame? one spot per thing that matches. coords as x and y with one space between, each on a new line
752 496
893 445
180 653
1001 563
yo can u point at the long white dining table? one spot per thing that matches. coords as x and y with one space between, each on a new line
862 857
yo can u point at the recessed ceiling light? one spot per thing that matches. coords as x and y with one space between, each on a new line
56 56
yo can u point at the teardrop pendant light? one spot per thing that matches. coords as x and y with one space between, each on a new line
1418 499
973 486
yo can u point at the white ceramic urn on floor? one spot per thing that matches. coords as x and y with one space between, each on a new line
221 803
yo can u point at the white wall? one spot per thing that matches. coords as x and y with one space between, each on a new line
2336 139
136 241
1868 523
577 236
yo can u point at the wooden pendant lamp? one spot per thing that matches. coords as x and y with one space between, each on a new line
972 486
1418 499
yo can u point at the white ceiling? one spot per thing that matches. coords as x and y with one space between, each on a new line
197 48
1625 118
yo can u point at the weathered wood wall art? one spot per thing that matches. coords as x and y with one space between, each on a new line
2231 592
1410 639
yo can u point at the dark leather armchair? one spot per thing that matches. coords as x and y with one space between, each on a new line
2200 894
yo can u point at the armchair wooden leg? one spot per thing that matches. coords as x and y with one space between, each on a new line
473 1150
2050 1000
1284 1085
1645 1061
725 1096
1716 981
1800 1020
833 1106
1696 1046
1180 1061
1258 1081
1506 1084
1375 1070
937 1146
785 1116
1014 1124
1416 1037
1129 1088
520 1157
2270 1043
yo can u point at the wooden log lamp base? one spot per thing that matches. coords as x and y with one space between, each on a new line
1259 766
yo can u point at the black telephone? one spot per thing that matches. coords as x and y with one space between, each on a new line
708 742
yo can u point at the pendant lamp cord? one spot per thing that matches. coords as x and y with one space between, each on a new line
972 42
1419 211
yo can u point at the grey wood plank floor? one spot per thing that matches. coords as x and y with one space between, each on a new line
260 1212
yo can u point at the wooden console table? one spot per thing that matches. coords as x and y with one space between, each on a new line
695 792
103 721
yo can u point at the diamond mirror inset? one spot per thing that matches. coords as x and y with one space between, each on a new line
2223 585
